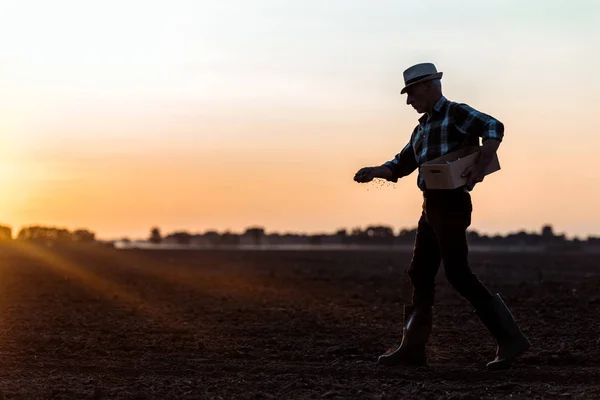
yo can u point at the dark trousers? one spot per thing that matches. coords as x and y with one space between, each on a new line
441 236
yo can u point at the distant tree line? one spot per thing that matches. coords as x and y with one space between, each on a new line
47 234
371 235
256 235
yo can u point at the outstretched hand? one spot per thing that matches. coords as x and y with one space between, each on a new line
364 175
367 174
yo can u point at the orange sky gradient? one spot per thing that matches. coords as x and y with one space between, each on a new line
175 121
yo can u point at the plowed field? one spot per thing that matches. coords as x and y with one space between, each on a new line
137 324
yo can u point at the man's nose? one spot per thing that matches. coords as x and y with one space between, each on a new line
408 100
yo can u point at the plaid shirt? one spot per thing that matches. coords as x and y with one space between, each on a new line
451 126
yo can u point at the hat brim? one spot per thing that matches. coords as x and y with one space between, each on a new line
431 77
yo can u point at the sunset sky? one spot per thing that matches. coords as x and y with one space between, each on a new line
122 115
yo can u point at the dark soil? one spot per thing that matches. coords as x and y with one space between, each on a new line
101 323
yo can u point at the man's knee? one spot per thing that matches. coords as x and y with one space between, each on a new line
414 275
461 279
426 258
423 274
465 282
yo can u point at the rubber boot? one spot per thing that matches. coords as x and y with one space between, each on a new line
510 340
416 331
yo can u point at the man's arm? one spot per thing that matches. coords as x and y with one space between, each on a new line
403 164
470 121
489 148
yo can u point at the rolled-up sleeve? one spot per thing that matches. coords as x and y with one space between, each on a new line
470 121
403 164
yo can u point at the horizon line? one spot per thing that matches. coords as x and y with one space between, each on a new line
289 231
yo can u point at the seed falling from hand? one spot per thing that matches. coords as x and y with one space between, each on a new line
379 184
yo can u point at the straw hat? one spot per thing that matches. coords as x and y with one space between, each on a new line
420 73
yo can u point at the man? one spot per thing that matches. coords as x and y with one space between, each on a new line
445 127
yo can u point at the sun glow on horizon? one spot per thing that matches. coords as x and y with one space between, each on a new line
195 115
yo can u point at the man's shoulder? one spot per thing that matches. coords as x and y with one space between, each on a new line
460 108
456 104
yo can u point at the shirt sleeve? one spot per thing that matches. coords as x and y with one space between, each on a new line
470 121
403 164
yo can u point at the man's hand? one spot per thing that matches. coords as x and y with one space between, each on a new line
476 172
367 174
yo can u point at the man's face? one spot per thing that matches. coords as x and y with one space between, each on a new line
418 96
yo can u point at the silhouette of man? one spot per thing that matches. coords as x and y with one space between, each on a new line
444 127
